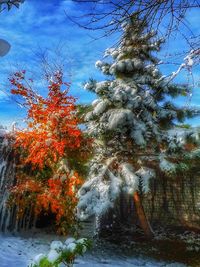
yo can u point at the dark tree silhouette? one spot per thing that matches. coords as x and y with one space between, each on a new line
7 4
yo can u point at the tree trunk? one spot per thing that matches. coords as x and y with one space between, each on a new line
144 223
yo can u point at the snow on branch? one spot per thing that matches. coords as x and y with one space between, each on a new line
130 178
145 174
98 194
193 58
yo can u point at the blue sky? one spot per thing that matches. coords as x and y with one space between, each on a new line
42 25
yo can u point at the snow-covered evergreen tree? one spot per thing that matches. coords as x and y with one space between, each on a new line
130 121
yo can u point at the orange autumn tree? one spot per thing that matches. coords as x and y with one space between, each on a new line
50 149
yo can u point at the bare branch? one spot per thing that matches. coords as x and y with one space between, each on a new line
108 15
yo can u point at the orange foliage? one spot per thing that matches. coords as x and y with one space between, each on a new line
52 125
52 135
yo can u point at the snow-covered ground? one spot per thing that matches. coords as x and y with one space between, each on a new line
16 251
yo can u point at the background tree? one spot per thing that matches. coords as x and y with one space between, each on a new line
131 121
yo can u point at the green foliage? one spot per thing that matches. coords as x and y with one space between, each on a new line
63 253
184 126
176 90
45 263
183 167
82 110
